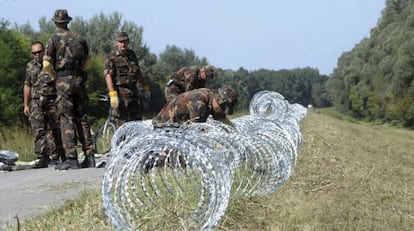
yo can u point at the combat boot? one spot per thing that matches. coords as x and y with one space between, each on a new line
68 164
88 162
41 163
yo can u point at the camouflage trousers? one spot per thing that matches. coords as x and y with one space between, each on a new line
129 108
72 102
45 124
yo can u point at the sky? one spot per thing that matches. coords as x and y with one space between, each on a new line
269 34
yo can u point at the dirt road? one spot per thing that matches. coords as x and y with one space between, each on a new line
28 193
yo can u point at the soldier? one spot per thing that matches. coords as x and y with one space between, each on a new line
187 79
66 58
39 89
122 72
197 105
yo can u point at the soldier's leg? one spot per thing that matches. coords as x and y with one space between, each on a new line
116 116
65 103
56 151
85 129
122 112
37 121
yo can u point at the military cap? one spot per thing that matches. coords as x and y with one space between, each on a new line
61 16
122 36
210 71
227 97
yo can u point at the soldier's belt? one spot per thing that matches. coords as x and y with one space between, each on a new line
68 72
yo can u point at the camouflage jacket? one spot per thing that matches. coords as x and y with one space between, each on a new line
66 50
194 106
187 79
40 83
124 69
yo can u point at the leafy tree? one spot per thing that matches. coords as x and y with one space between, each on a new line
15 53
374 80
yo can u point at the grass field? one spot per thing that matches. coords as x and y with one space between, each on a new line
349 176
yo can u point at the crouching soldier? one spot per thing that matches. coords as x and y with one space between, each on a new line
187 79
196 105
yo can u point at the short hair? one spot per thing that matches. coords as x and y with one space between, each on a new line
38 42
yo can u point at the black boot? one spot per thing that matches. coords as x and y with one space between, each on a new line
88 162
41 163
68 164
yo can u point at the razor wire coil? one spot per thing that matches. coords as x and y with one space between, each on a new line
200 166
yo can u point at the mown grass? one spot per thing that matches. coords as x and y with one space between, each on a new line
348 176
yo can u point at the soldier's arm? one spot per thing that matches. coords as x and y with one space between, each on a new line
88 61
112 93
26 99
109 83
27 90
108 72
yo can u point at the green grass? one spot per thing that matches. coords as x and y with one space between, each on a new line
348 176
18 140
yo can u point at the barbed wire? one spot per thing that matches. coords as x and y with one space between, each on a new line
192 170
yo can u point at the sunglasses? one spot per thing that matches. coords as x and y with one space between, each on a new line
37 52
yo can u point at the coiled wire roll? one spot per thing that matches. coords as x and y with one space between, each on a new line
190 171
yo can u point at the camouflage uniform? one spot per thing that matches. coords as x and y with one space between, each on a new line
186 79
43 117
125 73
67 52
197 105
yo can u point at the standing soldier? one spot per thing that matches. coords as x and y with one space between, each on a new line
122 72
187 79
65 60
197 105
39 89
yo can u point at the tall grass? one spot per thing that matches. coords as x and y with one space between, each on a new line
19 140
348 176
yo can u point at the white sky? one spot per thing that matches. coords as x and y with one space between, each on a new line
270 34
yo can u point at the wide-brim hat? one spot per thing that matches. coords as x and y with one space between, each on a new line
61 16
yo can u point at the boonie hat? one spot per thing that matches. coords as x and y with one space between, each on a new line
122 36
61 16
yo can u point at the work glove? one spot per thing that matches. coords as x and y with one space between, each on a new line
49 69
113 97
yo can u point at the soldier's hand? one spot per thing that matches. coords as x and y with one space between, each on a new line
113 97
26 111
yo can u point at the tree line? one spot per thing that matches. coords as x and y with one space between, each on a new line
375 80
301 85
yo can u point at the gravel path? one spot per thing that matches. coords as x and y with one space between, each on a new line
28 193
